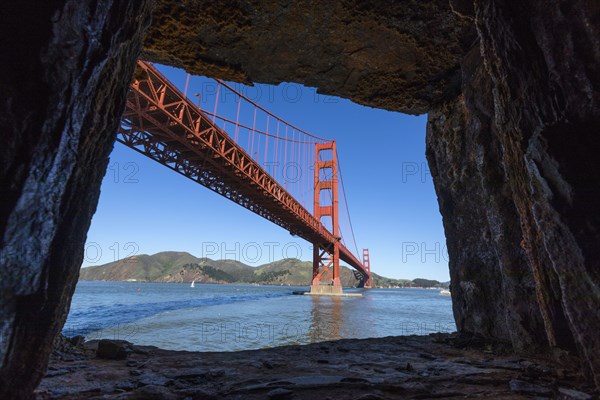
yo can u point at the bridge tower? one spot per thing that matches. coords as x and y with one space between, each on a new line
367 264
326 257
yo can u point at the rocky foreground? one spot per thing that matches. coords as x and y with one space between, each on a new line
404 367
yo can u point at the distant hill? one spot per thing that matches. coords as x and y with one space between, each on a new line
171 266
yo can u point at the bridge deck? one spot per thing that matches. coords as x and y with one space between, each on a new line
161 123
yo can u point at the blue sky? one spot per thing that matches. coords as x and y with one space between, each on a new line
145 208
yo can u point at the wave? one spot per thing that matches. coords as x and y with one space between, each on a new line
91 319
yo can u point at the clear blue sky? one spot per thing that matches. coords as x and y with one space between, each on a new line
146 208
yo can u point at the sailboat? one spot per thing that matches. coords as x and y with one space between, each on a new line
193 285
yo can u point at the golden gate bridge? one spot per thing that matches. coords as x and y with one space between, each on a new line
235 158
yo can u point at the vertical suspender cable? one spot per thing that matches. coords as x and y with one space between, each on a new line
266 144
285 159
237 119
216 103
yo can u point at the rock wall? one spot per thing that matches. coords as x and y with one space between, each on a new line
492 286
517 174
66 69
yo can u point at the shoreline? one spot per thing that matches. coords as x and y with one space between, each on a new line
258 284
394 367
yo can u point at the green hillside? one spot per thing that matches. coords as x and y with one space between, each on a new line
182 267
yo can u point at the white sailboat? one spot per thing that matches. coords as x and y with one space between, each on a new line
193 285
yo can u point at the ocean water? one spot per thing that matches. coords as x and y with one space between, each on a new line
242 317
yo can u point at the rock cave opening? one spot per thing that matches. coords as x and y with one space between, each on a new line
142 199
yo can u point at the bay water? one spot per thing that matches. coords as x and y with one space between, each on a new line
243 317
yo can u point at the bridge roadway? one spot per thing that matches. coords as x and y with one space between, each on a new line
163 124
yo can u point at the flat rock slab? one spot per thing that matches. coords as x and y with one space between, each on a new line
404 367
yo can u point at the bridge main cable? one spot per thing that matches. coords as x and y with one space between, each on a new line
241 95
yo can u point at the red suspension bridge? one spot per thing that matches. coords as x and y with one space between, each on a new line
239 158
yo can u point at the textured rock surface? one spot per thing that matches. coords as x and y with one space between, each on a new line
517 174
64 81
113 349
388 54
543 62
493 288
408 367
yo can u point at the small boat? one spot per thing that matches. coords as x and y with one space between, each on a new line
193 285
445 292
